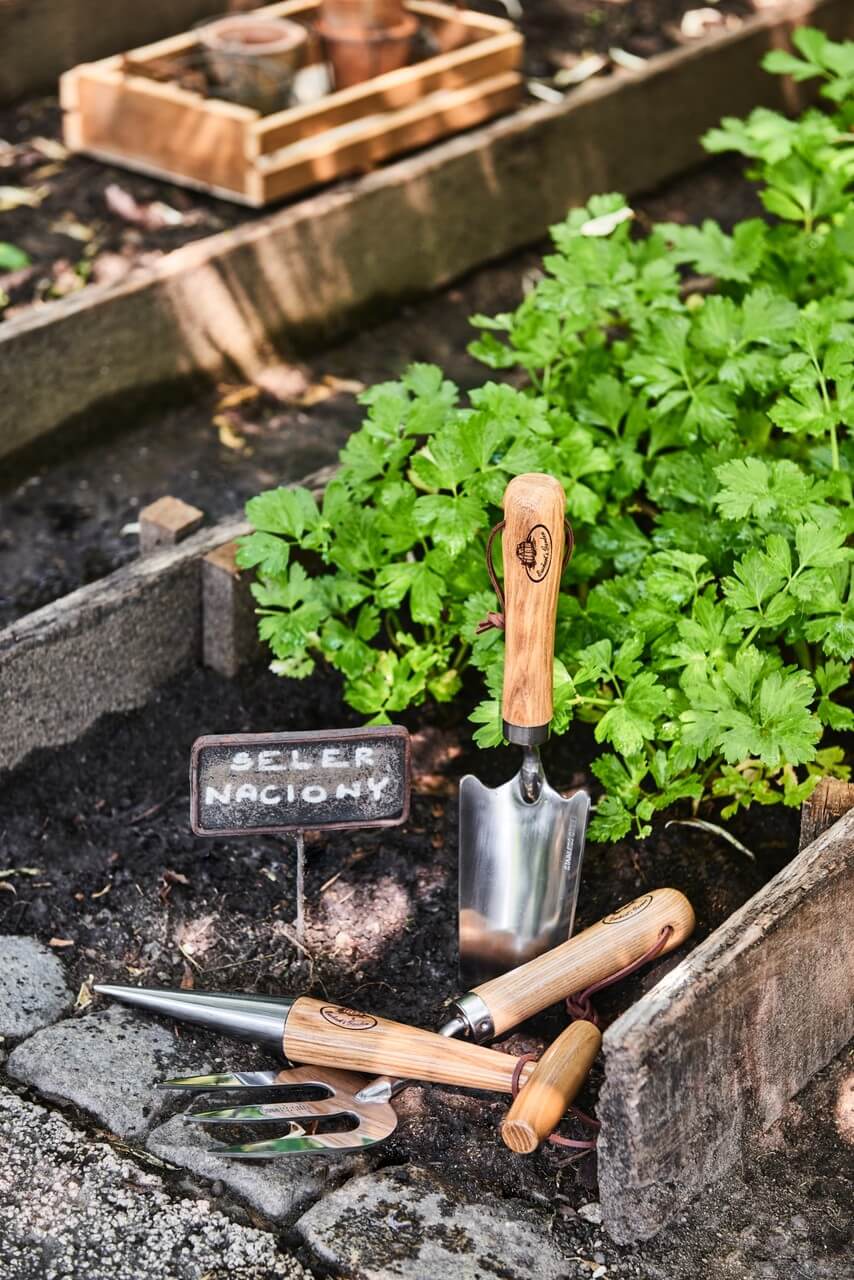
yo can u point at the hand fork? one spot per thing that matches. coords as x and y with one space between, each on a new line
487 1011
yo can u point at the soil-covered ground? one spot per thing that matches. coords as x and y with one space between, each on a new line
68 510
79 221
116 872
109 874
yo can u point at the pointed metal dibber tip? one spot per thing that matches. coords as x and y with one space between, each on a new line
260 1019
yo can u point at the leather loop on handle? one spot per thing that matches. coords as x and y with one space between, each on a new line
617 940
327 1035
556 1079
532 545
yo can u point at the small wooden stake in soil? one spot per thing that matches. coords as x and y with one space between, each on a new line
229 633
166 522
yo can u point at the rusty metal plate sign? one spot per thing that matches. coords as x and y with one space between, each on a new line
265 783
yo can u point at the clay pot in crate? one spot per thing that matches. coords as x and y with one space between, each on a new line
253 60
364 38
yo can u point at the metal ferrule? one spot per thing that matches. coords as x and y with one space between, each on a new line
526 735
260 1019
477 1018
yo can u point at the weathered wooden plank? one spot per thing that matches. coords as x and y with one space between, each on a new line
114 643
391 91
713 1053
364 143
42 38
160 124
464 202
831 799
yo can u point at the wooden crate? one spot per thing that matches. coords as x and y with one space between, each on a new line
116 111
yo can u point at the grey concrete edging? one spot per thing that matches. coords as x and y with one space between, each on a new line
105 647
312 268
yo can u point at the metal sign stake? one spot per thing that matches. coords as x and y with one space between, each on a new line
300 920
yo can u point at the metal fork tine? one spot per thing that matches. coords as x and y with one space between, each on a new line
268 1111
228 1080
293 1144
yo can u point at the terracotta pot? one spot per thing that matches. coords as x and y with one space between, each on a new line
359 55
357 15
253 60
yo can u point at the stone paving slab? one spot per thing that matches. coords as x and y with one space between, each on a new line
405 1223
33 991
70 1207
279 1189
107 1063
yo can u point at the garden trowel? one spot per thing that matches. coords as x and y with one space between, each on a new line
522 844
345 1038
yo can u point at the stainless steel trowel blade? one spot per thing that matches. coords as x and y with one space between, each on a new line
520 868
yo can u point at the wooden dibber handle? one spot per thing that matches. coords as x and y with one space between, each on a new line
532 546
328 1035
618 939
556 1079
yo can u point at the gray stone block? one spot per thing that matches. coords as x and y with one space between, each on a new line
73 1207
106 1063
405 1223
33 992
279 1189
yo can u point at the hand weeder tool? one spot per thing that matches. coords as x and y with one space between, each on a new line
522 844
333 1037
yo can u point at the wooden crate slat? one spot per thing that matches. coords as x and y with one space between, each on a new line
129 117
479 61
377 137
123 115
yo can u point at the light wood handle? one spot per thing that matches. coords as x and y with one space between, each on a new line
329 1035
617 940
532 545
556 1079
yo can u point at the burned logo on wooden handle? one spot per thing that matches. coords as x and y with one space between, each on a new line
534 552
272 782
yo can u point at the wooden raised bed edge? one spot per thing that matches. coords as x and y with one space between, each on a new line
42 38
127 118
710 1057
311 270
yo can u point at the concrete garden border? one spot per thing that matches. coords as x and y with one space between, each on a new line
314 267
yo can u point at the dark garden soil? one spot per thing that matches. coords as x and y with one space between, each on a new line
81 221
127 893
111 876
65 510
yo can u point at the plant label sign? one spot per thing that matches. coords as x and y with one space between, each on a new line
266 783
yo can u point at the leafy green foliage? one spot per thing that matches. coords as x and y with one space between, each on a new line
11 257
701 429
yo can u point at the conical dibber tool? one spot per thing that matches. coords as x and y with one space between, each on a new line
522 844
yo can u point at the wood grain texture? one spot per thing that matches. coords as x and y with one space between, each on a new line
540 1105
364 143
532 545
327 1035
711 1056
617 940
390 92
830 801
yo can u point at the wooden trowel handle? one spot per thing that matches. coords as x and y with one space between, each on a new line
556 1079
619 939
329 1035
532 546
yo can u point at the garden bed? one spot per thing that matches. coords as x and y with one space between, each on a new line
126 893
74 352
64 509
